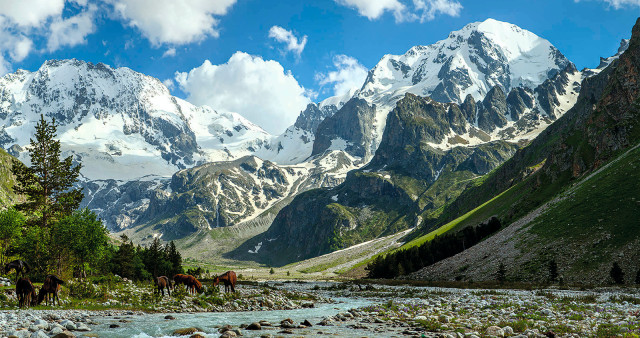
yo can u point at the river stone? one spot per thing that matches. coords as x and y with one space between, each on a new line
254 326
114 326
286 331
186 331
56 330
39 334
41 324
264 323
169 317
197 335
228 334
69 325
83 327
64 334
307 323
495 331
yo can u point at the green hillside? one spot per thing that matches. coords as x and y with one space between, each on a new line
7 197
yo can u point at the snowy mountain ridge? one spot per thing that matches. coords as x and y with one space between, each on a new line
121 123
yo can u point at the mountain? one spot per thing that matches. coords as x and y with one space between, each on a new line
570 196
121 124
469 62
430 152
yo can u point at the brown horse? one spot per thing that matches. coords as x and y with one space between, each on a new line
21 267
193 285
26 292
49 289
163 282
229 279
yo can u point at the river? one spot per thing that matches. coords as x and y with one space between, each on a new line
154 325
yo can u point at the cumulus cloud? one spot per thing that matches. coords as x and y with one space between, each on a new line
428 9
422 10
348 75
174 22
169 53
260 90
23 21
617 4
71 31
30 13
293 44
169 84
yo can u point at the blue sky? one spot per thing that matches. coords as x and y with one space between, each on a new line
303 50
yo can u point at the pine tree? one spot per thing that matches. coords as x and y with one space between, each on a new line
617 274
174 258
48 182
638 277
553 271
502 273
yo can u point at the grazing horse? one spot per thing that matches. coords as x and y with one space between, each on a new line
26 292
50 289
229 279
179 279
193 285
163 282
19 265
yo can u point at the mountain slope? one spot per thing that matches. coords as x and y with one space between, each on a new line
7 181
122 124
573 189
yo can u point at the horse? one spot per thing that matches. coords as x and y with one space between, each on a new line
50 287
229 279
179 279
163 282
193 285
26 292
19 265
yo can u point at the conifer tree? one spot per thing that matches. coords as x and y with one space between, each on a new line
48 182
617 274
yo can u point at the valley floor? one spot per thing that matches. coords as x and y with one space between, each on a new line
350 310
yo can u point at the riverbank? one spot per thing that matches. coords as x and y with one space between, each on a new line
352 310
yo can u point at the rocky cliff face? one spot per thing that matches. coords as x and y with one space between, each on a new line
349 129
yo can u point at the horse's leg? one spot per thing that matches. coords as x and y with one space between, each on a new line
169 290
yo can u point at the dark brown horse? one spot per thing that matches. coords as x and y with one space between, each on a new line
26 292
229 279
49 289
179 279
163 282
21 267
193 285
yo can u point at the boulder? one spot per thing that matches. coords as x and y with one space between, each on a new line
495 331
254 326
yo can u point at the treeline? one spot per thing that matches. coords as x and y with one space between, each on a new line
51 233
142 263
413 259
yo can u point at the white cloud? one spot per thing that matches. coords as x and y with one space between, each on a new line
71 31
430 8
169 84
260 90
173 21
422 10
349 75
373 9
293 44
23 21
169 53
30 13
617 4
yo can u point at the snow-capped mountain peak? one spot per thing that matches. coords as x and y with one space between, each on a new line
123 123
